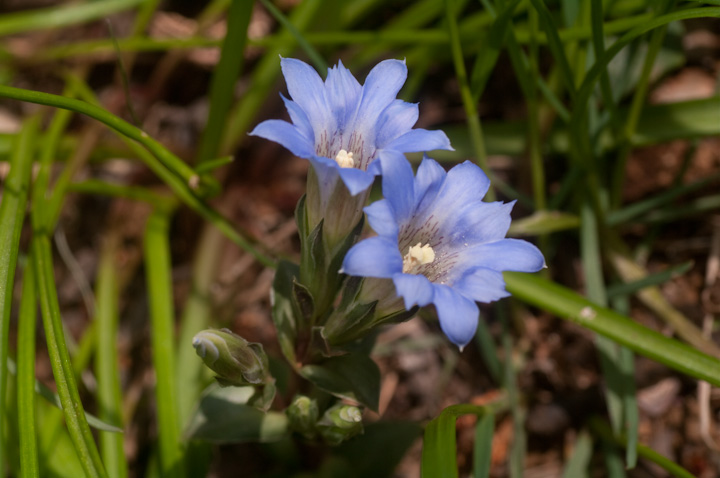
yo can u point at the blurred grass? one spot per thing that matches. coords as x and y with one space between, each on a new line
581 118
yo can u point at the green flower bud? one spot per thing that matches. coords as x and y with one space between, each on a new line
234 359
302 415
339 423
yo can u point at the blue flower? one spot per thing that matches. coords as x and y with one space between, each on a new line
342 127
439 243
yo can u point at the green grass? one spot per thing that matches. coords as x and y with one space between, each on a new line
580 121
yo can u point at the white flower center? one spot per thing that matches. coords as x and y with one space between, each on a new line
345 159
417 256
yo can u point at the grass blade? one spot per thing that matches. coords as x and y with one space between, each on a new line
61 16
439 444
27 430
107 368
482 450
439 448
60 359
224 78
12 213
569 305
471 112
162 318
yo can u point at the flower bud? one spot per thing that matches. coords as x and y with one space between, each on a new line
339 423
302 415
234 359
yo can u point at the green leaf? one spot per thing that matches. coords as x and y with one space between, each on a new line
482 449
439 448
354 376
439 445
223 416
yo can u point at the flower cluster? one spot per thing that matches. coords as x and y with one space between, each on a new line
434 242
437 242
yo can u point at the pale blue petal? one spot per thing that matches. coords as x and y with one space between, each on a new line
380 89
504 255
420 140
465 183
458 315
299 119
397 183
430 176
482 285
343 93
415 289
479 222
381 219
374 257
287 135
356 180
395 121
308 90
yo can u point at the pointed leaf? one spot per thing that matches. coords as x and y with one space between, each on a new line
224 416
353 377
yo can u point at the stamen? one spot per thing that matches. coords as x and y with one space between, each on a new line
417 256
345 159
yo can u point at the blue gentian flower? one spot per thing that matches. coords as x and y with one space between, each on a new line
439 243
342 126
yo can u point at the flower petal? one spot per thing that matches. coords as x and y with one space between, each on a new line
505 255
374 257
479 222
430 176
356 180
380 89
397 183
381 219
482 285
415 289
287 135
420 140
308 90
396 120
465 183
343 93
299 118
458 315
